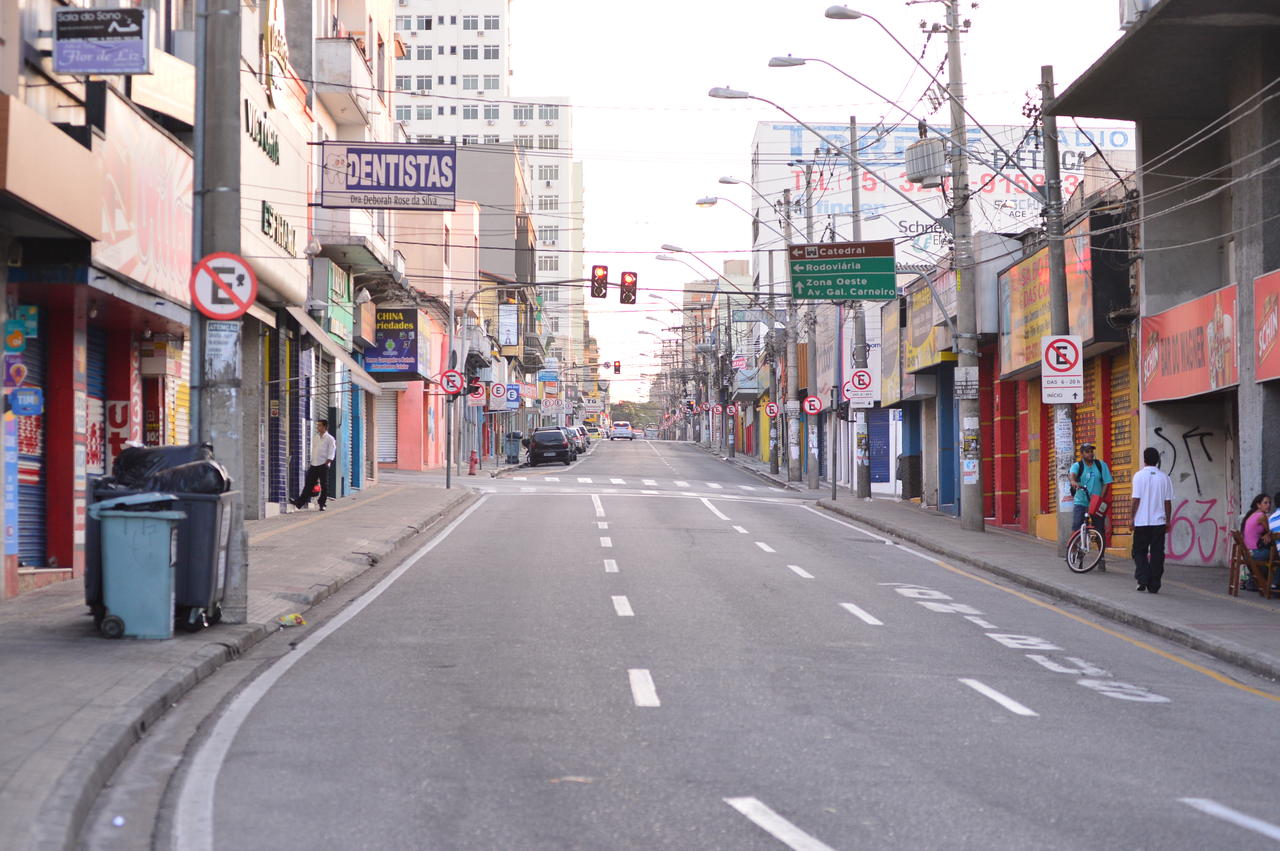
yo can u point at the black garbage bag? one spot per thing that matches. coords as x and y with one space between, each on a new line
135 464
206 476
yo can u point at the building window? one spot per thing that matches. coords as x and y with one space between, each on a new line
424 113
453 110
549 233
548 112
424 83
556 352
404 22
471 22
453 81
404 113
492 111
551 294
548 143
470 110
453 50
424 51
491 51
548 172
453 20
469 139
553 324
403 82
440 20
491 139
523 141
491 82
491 22
408 54
440 79
522 112
470 82
424 22
470 51
549 263
446 245
548 202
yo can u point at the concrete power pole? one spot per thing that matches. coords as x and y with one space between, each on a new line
812 348
966 343
793 365
861 481
1059 317
216 413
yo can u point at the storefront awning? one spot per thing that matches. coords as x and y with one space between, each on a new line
358 375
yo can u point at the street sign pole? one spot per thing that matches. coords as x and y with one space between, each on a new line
448 408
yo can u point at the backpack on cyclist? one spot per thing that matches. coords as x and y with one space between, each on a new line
1077 469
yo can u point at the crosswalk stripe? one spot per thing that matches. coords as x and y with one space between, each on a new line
551 478
617 481
519 478
680 484
714 485
584 480
747 487
650 482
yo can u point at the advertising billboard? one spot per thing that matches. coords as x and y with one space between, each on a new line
924 344
400 344
1190 349
890 355
1266 325
388 176
101 41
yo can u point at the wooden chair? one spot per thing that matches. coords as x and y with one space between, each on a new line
1262 572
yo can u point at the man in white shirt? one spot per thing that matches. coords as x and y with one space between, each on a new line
1152 507
323 450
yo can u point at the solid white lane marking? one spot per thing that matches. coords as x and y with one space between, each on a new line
826 516
715 486
610 566
861 615
606 542
713 509
687 493
776 826
739 530
800 571
651 493
603 524
680 484
643 691
617 481
584 480
650 482
595 500
193 821
610 490
747 487
1003 699
1248 822
622 606
528 490
762 545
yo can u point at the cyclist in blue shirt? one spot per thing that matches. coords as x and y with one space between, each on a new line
1090 476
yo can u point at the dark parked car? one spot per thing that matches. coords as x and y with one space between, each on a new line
550 444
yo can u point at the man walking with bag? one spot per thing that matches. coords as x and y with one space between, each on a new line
1152 507
323 450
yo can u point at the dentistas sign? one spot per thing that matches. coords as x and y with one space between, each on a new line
388 176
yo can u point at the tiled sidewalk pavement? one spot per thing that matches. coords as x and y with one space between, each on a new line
74 702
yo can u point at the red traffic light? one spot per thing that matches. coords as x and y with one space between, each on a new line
627 288
599 281
617 367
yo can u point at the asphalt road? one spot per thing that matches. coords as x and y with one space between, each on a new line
651 649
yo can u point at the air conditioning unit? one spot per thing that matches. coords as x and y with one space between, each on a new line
480 34
490 122
413 33
548 184
548 122
523 123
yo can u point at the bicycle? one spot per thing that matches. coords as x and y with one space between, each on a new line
1086 547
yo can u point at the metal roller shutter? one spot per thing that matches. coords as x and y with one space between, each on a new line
387 421
31 476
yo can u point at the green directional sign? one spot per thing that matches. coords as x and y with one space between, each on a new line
838 271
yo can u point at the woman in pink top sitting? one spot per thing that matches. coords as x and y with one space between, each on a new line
1257 535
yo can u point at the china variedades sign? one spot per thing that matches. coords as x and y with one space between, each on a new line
400 343
1190 349
101 41
388 176
1266 325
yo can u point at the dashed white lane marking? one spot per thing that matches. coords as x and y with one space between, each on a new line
762 545
650 482
747 487
861 615
595 500
1248 822
713 509
610 566
715 486
643 691
551 478
776 826
800 571
617 481
687 493
606 542
584 480
1003 699
651 493
739 530
602 524
622 606
681 484
528 490
519 478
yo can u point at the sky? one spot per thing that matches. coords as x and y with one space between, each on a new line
652 142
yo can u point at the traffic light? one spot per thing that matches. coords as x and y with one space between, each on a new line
627 290
617 367
599 281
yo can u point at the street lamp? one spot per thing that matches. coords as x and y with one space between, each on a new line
710 201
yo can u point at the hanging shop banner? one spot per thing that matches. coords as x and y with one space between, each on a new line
400 344
1266 325
1190 349
508 325
101 41
924 344
388 176
890 355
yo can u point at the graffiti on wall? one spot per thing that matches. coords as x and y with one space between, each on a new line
1195 458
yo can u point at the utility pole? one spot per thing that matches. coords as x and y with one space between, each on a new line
811 435
966 342
793 366
1059 317
731 422
448 407
216 413
861 469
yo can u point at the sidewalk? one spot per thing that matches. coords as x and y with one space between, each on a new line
1192 609
74 702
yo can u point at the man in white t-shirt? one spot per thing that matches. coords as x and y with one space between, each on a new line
1152 506
323 450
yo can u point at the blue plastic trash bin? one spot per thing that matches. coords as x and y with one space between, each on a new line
139 542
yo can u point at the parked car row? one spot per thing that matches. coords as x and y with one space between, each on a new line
556 443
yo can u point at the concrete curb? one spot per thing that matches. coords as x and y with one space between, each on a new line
1227 651
63 813
747 468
